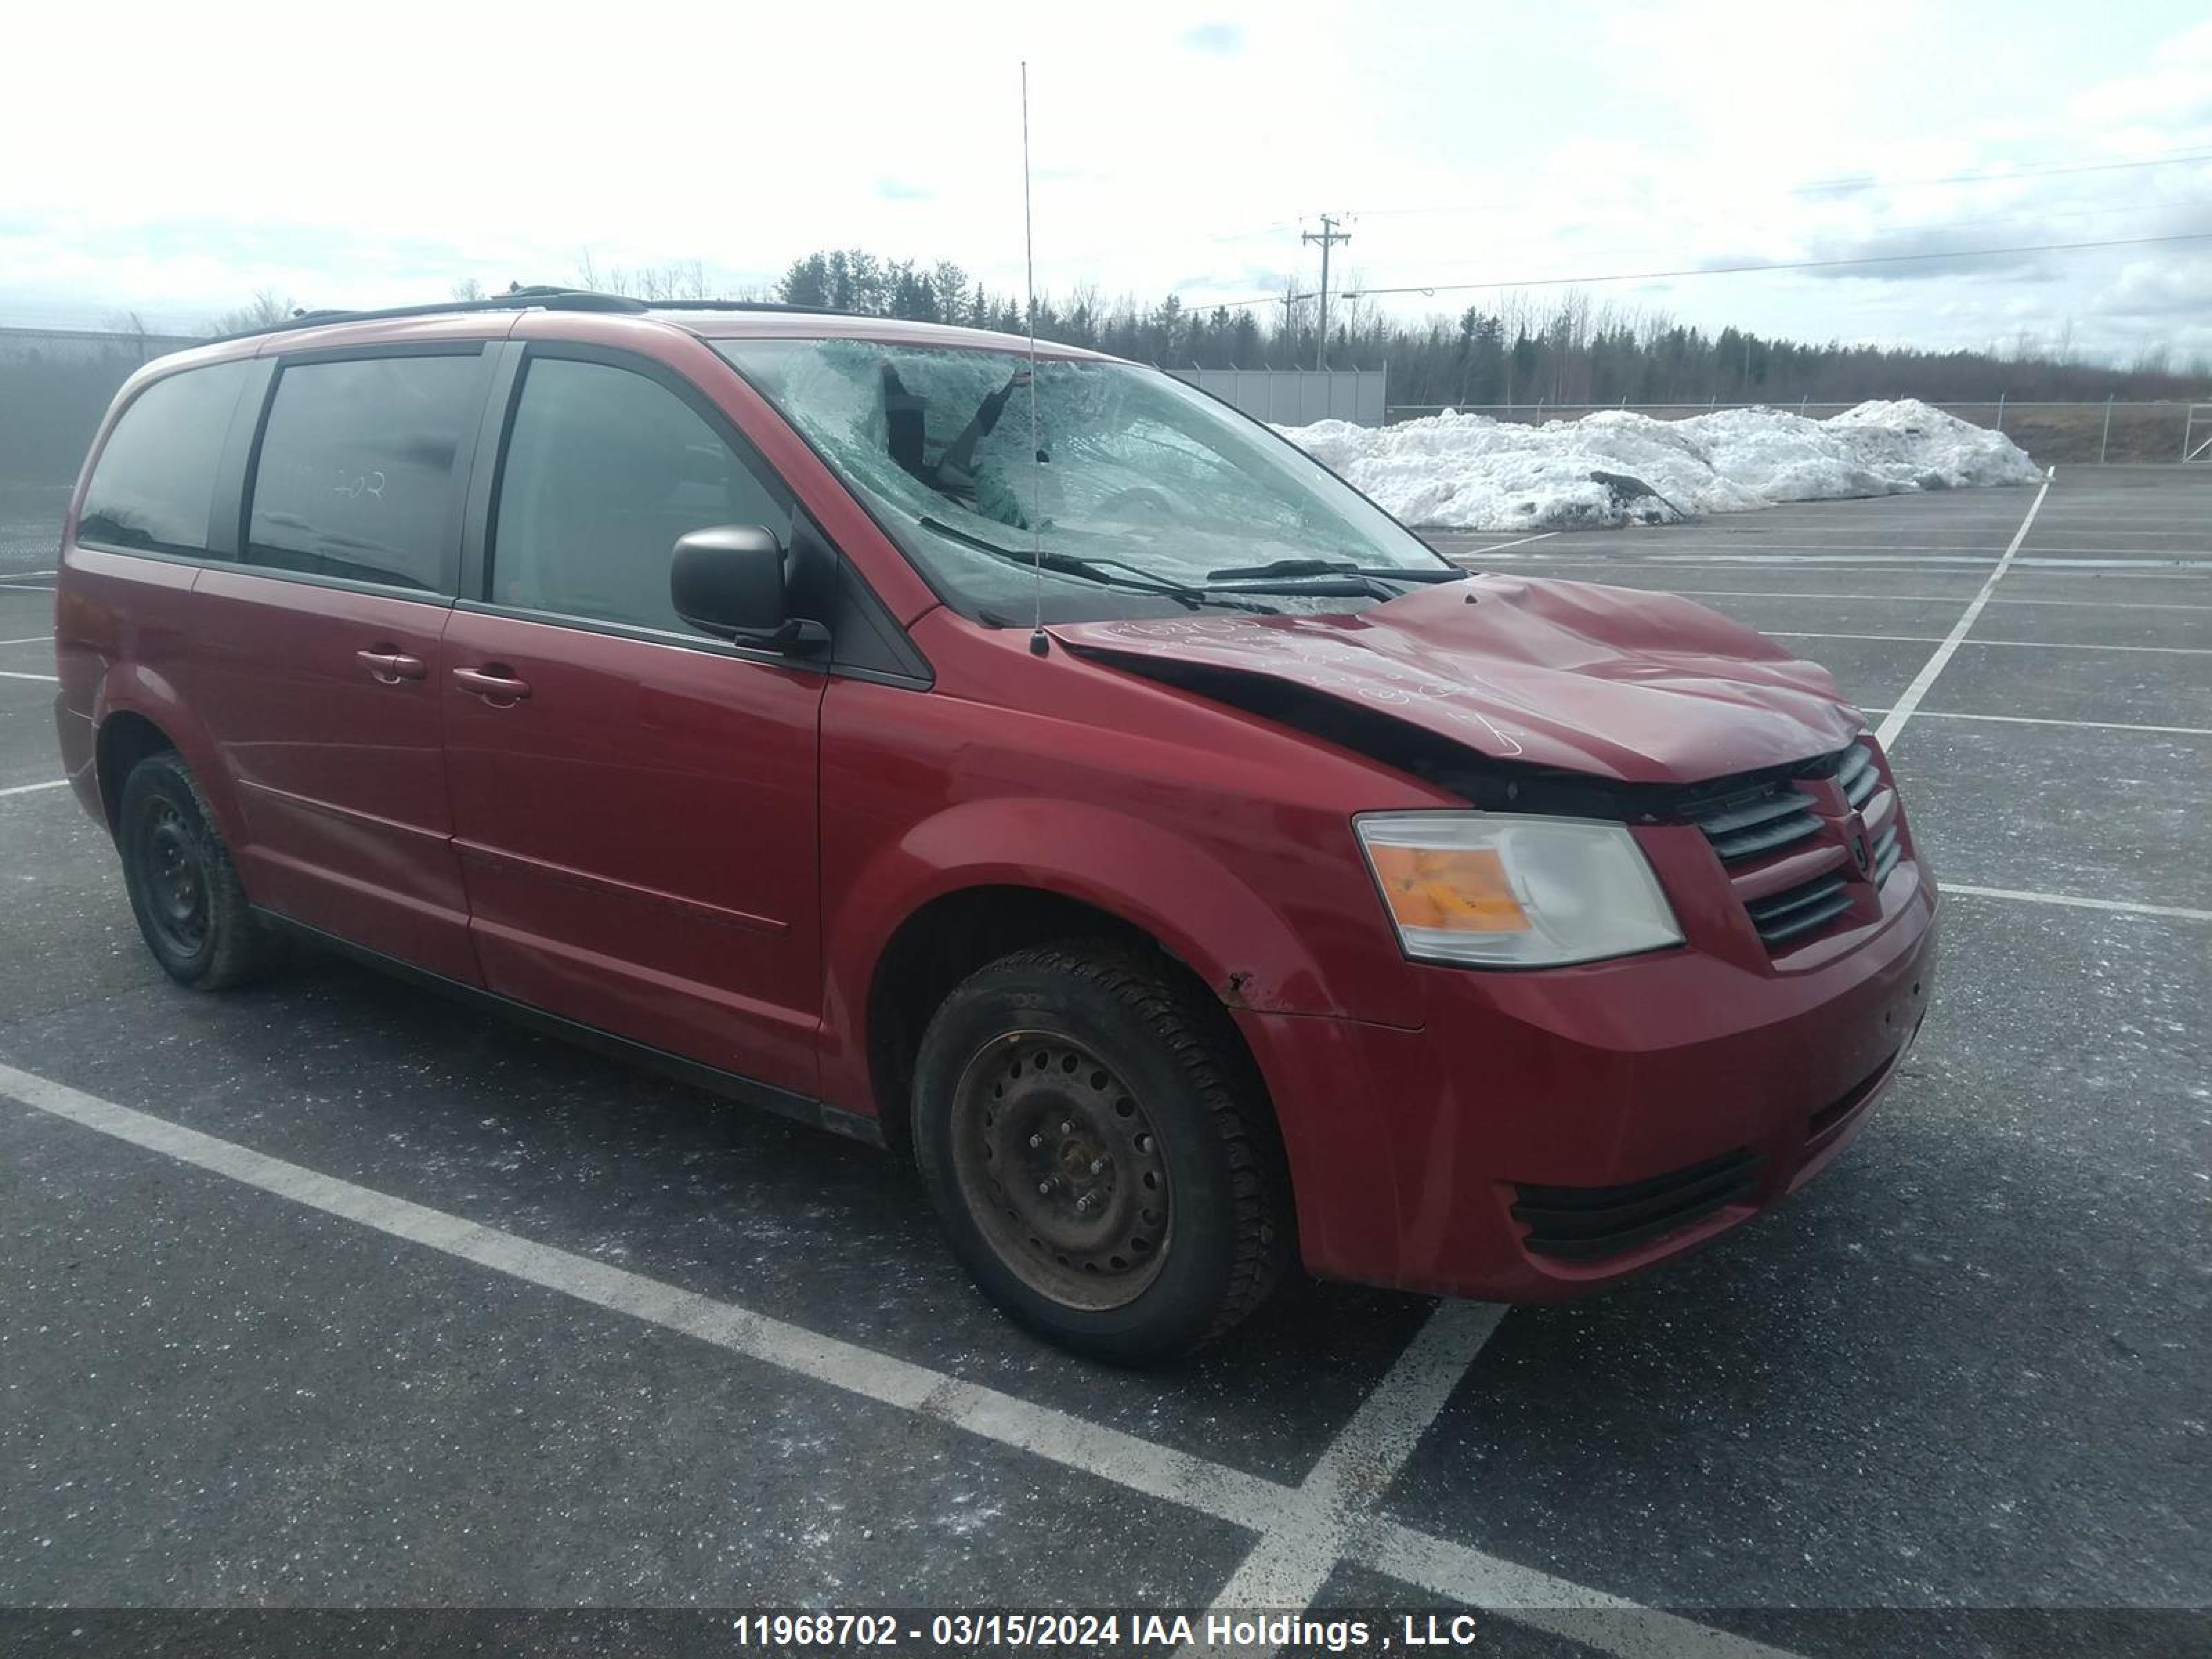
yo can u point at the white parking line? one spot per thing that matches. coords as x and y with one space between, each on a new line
1787 539
2128 906
1897 639
2045 719
1462 1575
1922 598
33 788
2039 560
2031 645
9 674
1940 563
1492 547
1291 1562
1252 1502
1893 722
1568 568
31 639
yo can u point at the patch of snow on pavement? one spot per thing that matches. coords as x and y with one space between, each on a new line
1469 472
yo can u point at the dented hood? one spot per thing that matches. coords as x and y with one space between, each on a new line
1613 682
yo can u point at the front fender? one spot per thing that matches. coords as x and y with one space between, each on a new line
1199 908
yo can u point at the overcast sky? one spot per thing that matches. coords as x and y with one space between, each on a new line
175 160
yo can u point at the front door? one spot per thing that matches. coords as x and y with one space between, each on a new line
633 803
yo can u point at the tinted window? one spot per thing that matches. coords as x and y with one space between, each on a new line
355 477
604 469
155 480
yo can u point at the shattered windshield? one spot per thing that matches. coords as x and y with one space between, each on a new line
1147 495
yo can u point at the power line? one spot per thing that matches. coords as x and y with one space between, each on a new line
1732 270
2166 160
2030 220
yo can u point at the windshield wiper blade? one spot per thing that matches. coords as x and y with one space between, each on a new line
1285 567
1067 564
1244 572
1422 574
1103 571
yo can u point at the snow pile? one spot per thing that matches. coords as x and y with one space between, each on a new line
1469 472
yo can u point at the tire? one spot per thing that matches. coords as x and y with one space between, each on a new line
1100 1152
191 906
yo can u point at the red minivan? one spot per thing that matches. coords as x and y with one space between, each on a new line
1051 774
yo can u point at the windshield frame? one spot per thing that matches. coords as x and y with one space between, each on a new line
1085 603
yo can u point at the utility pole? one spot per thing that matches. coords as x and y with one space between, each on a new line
1328 236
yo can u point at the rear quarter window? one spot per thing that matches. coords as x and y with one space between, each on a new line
356 476
153 488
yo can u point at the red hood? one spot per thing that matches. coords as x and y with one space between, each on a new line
1613 682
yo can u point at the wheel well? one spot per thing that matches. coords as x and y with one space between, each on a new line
125 738
949 938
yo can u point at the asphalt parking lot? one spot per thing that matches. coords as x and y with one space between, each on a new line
331 1294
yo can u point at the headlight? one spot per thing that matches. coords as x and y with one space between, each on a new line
1509 891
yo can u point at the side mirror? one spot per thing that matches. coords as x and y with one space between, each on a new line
728 580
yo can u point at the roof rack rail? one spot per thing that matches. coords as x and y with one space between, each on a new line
551 298
746 304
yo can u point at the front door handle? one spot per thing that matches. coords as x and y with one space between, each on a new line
389 667
493 685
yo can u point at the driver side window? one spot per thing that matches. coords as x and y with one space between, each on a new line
605 468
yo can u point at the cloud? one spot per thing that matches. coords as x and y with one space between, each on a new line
2160 289
1653 137
2173 97
1222 39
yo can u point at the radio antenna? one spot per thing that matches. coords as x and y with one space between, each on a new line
1037 644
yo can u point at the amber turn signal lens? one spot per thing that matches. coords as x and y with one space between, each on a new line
1459 890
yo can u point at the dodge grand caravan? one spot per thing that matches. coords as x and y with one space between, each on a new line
1104 805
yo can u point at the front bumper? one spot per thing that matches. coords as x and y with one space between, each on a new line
1410 1150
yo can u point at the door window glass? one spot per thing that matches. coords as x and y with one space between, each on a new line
355 477
605 469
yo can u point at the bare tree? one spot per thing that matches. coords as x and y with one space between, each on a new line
268 309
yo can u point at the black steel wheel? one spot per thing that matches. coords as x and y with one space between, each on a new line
172 863
190 907
1097 1144
1062 1169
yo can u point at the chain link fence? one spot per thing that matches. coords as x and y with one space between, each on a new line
55 384
1299 397
31 527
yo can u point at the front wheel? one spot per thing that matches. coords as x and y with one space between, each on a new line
1099 1149
189 904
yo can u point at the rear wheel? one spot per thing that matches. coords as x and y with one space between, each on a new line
190 905
1100 1152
